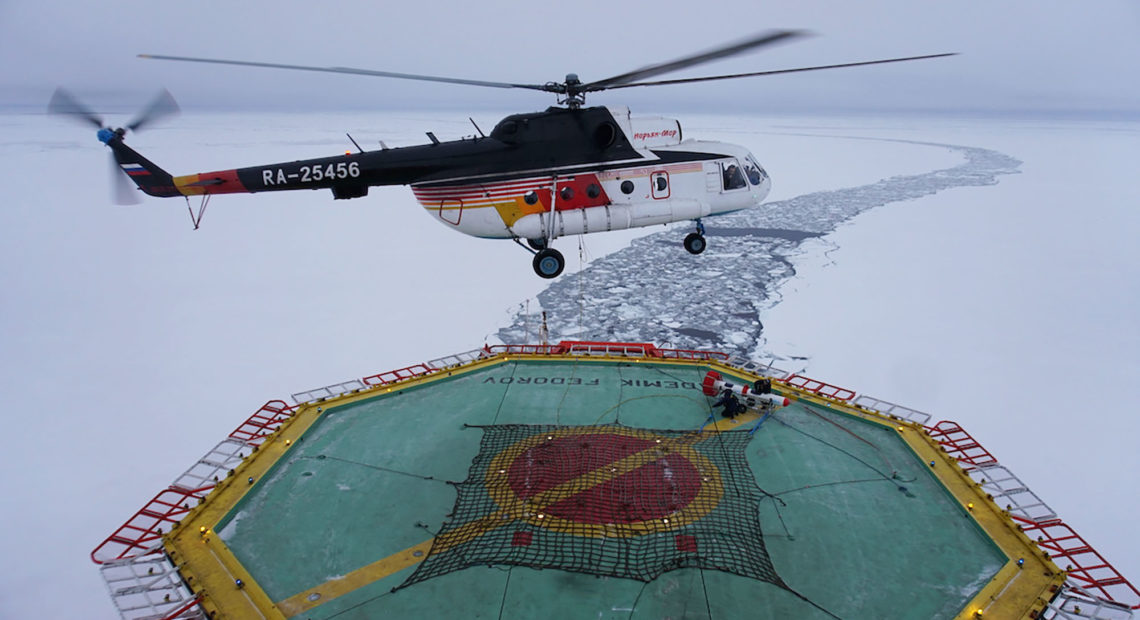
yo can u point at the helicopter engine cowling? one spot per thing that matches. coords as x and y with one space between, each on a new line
609 217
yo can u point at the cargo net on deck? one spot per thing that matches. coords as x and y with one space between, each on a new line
605 500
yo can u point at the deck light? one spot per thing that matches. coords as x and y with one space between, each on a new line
932 463
970 505
239 583
288 441
250 480
1020 562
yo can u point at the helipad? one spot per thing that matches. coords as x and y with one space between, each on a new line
595 481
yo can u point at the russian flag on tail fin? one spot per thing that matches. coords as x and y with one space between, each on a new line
134 170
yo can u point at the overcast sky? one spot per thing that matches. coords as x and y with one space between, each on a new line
1017 55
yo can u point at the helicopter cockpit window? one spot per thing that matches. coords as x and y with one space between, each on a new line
733 178
753 171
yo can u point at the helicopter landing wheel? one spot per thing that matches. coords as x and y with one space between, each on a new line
695 243
537 244
548 263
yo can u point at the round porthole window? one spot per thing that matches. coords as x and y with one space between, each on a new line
593 191
531 197
627 187
566 193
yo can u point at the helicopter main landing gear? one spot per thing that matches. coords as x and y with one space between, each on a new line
695 242
548 263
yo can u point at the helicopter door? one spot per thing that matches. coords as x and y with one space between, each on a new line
712 177
451 211
659 182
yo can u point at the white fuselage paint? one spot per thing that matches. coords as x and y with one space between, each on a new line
693 189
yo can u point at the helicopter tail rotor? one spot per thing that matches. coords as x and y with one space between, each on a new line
125 162
123 192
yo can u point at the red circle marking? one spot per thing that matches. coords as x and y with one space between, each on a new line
652 491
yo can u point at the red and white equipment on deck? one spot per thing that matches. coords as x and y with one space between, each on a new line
714 384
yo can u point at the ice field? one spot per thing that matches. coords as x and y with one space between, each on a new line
984 270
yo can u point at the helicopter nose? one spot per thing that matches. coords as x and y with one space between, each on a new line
760 192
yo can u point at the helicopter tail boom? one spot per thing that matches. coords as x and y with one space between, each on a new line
146 174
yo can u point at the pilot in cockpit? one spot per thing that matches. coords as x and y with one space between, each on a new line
732 177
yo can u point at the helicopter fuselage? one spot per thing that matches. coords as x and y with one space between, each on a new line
537 176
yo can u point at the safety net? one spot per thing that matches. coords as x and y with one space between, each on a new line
605 500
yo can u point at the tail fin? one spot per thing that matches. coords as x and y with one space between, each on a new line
149 177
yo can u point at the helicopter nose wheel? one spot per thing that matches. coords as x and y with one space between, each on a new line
548 263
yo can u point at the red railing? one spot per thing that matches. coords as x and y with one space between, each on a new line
589 347
144 530
263 422
521 349
1086 567
819 387
174 615
960 445
400 374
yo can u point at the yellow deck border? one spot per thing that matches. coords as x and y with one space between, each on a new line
211 570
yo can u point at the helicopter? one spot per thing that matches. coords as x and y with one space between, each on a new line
568 170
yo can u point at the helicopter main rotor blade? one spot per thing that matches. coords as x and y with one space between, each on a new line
778 71
161 106
63 103
732 49
349 70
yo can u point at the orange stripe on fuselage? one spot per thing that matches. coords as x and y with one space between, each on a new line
208 183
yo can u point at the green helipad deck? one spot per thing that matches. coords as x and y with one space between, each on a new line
520 486
598 480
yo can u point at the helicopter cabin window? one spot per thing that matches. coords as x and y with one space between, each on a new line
733 178
660 184
753 171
